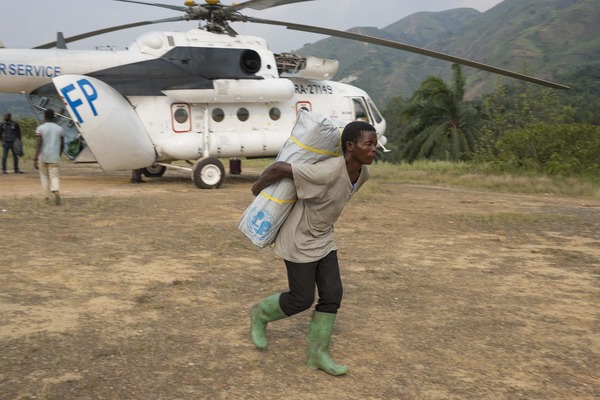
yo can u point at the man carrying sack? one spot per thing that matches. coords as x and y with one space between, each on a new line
305 241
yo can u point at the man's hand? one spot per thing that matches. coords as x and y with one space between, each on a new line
256 188
272 174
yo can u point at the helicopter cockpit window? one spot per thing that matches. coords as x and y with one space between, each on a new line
275 113
250 61
243 114
360 110
181 115
218 115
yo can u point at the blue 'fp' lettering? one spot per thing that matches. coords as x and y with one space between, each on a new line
72 103
89 93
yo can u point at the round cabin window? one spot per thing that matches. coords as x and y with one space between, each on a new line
275 113
243 114
181 115
218 115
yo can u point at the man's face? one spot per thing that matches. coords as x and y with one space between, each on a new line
365 148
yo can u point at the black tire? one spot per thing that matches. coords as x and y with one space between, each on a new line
154 171
208 173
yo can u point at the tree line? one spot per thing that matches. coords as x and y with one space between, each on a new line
520 128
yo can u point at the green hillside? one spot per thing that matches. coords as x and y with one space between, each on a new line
385 72
544 38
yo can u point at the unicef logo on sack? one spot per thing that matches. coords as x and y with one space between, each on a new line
259 223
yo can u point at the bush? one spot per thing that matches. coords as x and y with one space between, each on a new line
563 149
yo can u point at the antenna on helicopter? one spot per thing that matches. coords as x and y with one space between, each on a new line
60 41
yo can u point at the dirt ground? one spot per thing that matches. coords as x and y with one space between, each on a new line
142 292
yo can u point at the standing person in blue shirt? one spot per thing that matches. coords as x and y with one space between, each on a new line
50 139
9 132
305 241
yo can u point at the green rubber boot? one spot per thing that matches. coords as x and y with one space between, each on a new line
260 314
319 335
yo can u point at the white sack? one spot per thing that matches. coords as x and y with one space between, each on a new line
313 138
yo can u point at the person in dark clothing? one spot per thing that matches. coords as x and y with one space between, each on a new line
136 176
9 132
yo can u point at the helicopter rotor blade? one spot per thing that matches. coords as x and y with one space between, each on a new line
108 30
262 4
253 4
168 6
406 47
229 13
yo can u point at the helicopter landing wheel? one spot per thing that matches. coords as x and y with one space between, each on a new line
154 171
208 173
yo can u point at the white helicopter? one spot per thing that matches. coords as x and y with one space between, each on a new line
196 96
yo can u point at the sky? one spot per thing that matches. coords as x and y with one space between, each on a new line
26 24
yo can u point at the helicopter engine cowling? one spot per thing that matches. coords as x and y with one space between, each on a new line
314 68
234 90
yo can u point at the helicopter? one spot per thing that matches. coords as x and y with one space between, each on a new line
197 96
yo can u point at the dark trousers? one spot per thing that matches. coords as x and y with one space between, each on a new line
136 174
9 146
302 278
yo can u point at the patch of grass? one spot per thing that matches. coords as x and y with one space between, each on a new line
472 176
469 176
254 163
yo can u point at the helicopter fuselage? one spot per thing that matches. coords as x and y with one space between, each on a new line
192 95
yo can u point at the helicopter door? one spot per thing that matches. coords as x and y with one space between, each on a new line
360 110
181 117
107 121
365 110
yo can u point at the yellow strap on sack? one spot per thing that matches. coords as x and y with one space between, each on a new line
312 149
278 201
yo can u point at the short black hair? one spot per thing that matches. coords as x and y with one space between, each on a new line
49 114
352 132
